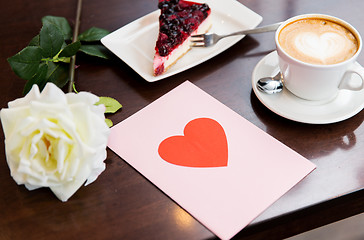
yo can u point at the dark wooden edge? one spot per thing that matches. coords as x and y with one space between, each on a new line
306 219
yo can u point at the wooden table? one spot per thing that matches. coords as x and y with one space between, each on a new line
122 204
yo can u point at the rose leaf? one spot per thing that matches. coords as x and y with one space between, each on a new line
109 122
50 39
39 78
93 34
34 41
58 73
70 49
110 104
96 51
61 23
26 63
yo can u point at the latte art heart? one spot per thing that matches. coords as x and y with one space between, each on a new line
323 47
318 41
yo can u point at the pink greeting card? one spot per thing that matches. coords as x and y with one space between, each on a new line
207 158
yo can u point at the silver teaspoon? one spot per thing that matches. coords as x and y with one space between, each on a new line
271 85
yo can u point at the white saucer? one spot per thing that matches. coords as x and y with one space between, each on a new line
345 105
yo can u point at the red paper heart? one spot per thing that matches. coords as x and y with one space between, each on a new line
204 144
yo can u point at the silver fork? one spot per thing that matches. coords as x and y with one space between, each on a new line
209 39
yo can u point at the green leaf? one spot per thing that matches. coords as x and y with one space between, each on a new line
93 34
34 41
61 23
108 122
110 104
74 88
96 51
58 73
39 78
25 63
70 49
50 39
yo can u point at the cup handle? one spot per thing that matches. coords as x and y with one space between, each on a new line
345 82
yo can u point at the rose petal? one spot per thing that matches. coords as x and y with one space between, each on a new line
55 140
32 95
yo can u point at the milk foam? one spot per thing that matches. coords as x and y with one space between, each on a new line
318 41
323 46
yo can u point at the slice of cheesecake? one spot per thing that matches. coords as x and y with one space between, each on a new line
178 20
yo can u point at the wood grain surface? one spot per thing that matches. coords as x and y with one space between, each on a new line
122 204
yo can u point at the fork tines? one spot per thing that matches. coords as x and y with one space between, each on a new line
198 36
198 40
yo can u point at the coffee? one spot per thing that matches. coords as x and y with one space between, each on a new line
318 41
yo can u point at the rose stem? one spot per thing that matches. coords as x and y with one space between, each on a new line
75 35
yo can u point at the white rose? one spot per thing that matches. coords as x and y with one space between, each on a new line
55 140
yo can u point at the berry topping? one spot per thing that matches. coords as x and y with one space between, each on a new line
177 21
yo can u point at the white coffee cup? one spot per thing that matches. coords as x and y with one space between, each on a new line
317 82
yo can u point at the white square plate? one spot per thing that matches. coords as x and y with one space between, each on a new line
135 42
